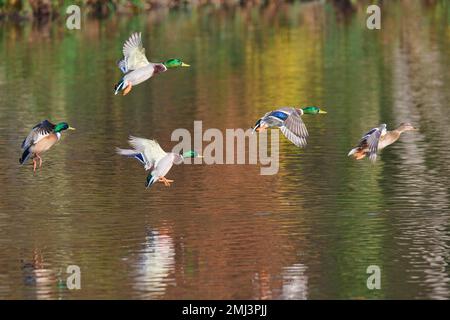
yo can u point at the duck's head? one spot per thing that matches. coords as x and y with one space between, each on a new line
312 110
406 126
175 63
63 126
191 154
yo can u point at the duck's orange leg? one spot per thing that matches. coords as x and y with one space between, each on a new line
34 165
165 181
262 128
40 160
360 155
127 89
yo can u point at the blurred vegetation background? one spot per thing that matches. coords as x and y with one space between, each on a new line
51 9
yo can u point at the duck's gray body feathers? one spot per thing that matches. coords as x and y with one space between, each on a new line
289 121
376 140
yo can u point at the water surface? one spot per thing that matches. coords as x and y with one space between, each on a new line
225 231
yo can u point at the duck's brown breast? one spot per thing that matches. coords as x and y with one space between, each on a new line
45 143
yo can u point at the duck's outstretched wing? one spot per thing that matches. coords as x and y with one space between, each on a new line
294 129
371 140
133 54
38 132
149 148
134 154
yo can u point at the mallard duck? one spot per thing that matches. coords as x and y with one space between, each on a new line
153 157
289 120
377 139
137 68
41 138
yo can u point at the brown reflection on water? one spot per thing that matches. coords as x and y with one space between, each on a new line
225 231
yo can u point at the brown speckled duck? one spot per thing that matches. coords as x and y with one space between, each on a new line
376 140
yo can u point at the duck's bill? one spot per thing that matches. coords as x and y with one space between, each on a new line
322 111
185 64
71 128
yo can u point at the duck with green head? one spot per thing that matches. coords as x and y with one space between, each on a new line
289 120
41 138
137 68
154 158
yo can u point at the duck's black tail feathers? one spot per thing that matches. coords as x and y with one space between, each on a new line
150 181
25 156
119 86
257 125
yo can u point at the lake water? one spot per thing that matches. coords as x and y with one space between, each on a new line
225 231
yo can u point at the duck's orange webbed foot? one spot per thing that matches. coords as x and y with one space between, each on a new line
40 160
262 128
359 156
127 89
165 181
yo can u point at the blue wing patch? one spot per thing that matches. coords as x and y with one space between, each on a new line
280 115
140 157
123 65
